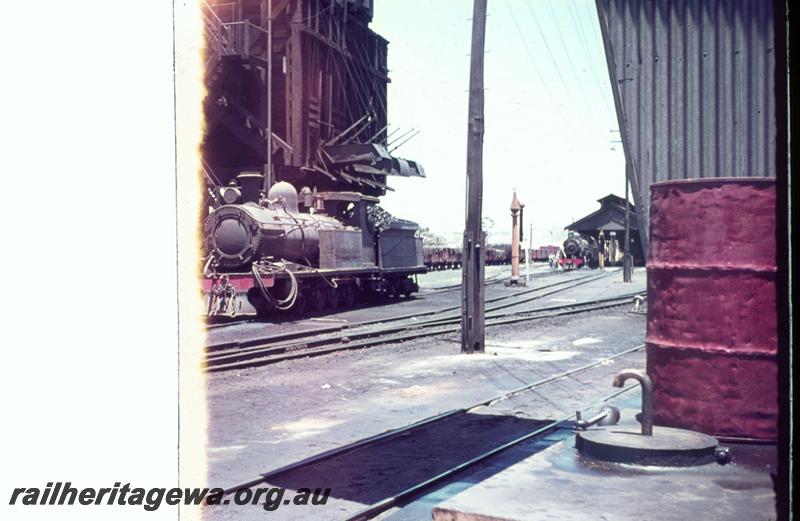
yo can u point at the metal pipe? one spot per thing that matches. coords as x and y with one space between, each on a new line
378 133
349 129
516 214
363 127
585 424
390 134
404 141
647 396
627 260
268 174
528 256
398 138
609 415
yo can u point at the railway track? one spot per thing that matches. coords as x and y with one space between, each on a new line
221 322
230 321
261 355
248 319
494 279
517 297
417 489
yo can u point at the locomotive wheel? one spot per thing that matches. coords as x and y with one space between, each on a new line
358 294
332 295
347 296
368 294
406 287
391 289
319 298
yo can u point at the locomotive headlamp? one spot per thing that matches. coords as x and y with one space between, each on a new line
230 195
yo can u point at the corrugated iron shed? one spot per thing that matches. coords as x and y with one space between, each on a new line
694 89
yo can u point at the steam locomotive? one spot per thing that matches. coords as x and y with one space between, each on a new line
579 250
290 251
318 238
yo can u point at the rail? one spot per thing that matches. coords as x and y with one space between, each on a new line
260 355
387 503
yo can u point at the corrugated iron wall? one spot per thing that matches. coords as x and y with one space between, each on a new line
694 89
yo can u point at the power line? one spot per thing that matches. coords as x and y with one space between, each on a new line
590 111
546 45
590 62
530 56
570 106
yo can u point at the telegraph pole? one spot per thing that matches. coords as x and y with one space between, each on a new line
472 305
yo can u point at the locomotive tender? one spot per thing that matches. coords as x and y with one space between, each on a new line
318 250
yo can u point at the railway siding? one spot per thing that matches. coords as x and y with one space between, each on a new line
267 417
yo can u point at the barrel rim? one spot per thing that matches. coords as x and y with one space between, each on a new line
713 180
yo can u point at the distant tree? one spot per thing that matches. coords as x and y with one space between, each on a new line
431 239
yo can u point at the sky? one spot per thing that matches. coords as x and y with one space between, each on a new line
550 124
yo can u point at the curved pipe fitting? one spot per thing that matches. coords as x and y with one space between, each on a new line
647 396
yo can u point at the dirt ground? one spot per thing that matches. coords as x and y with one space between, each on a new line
264 418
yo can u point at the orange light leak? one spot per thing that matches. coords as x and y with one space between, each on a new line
189 127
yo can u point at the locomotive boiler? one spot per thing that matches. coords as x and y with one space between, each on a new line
285 250
577 251
237 234
575 246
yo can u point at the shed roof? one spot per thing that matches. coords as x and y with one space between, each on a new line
610 217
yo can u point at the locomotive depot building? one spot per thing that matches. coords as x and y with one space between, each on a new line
337 362
610 220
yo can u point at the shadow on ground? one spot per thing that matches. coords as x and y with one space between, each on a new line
384 469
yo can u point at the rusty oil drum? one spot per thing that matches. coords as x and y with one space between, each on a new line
711 319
